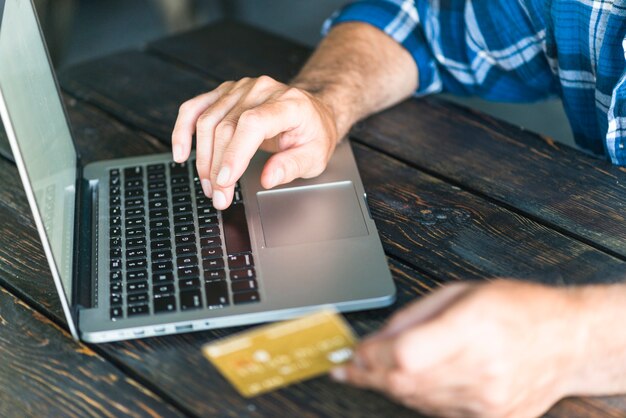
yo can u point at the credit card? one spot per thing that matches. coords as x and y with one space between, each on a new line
276 355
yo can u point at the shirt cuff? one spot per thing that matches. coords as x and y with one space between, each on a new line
401 23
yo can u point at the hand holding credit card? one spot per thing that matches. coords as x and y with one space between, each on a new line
276 355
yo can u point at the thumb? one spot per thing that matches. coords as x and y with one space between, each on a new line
304 161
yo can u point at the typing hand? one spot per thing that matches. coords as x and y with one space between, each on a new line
503 349
234 120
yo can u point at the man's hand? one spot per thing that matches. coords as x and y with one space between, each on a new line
505 349
234 120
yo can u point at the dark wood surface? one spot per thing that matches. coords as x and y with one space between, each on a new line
455 195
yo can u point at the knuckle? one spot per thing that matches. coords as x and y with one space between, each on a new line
249 118
224 129
185 107
293 93
205 121
265 81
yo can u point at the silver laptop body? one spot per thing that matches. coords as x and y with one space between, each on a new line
275 254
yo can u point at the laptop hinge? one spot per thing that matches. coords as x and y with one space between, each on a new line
84 237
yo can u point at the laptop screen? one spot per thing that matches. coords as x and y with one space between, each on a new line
40 130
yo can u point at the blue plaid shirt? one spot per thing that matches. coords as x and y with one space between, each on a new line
518 51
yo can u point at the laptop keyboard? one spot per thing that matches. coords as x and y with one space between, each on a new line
170 250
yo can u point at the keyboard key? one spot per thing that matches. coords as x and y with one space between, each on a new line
116 287
116 252
133 184
115 211
237 198
188 272
182 189
214 275
136 253
138 310
183 219
236 232
243 285
156 168
163 289
116 313
178 169
115 200
156 176
116 264
161 255
204 212
176 181
208 221
156 185
240 261
159 213
137 298
158 204
160 278
115 221
208 253
115 231
183 229
181 199
213 264
186 284
114 190
135 232
185 239
245 297
242 274
190 299
136 275
185 249
204 202
187 261
116 299
160 245
209 231
158 234
180 209
210 242
133 172
216 293
133 193
165 304
133 203
134 213
162 267
135 222
115 276
159 223
137 287
156 195
114 172
136 242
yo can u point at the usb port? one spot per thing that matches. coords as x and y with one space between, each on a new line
182 328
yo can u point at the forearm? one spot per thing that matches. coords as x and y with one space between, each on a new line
358 70
600 367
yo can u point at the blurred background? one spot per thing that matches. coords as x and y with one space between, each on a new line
78 30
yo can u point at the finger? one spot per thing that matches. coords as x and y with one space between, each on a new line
424 309
376 354
356 376
253 127
185 125
205 133
223 197
305 161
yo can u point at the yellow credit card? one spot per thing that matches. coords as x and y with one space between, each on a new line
276 355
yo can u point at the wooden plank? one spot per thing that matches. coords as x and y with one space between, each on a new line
217 51
550 182
43 372
125 71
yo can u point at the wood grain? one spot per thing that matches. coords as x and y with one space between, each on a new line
43 372
559 186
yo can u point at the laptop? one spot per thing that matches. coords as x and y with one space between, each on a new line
136 249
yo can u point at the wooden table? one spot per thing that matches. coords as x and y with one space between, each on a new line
455 194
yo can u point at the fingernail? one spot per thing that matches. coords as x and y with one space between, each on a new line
206 187
223 176
219 200
339 374
177 152
279 175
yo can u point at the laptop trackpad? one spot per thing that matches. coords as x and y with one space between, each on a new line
310 214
